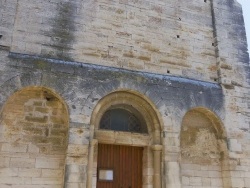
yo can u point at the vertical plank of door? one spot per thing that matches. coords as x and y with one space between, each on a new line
105 156
99 161
137 167
140 169
110 165
132 167
104 165
116 163
126 167
126 161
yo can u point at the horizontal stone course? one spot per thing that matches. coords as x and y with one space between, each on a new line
118 25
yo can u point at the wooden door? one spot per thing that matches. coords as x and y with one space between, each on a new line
125 162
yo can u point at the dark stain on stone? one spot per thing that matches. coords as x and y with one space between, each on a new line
79 131
181 93
62 32
49 96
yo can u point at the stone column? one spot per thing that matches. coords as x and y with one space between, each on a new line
157 149
173 177
157 137
93 143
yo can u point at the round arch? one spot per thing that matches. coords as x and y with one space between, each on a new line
47 92
151 141
213 117
35 122
203 141
134 99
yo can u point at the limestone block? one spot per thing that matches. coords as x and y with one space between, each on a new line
108 136
206 182
36 186
4 162
147 180
22 163
247 174
75 177
29 172
138 139
226 81
77 150
235 146
148 171
8 172
238 182
216 182
185 180
201 173
46 181
195 181
81 160
33 148
188 173
52 173
247 182
173 174
214 174
49 163
123 138
74 185
78 136
5 186
11 180
14 148
190 166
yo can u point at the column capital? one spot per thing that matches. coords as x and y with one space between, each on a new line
93 142
156 147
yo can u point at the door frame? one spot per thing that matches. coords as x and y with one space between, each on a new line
152 159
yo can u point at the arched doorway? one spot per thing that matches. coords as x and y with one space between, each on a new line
204 154
120 165
141 135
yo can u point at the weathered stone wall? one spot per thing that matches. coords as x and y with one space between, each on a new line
159 49
233 72
201 154
173 97
7 19
34 139
154 36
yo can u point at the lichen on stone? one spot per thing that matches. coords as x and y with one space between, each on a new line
205 147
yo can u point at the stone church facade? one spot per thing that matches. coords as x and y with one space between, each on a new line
161 85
